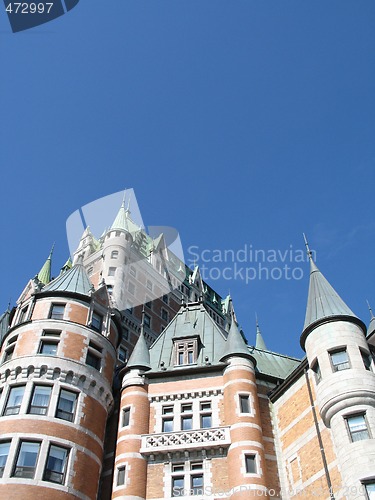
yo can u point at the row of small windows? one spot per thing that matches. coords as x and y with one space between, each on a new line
48 346
40 400
339 359
27 457
186 417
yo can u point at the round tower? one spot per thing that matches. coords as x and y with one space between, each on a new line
246 460
56 373
130 474
339 357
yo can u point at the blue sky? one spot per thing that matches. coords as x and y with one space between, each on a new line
237 122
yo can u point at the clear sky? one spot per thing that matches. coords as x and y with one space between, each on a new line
238 122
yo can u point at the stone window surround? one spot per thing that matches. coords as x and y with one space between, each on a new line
187 473
118 466
259 472
337 350
238 394
357 414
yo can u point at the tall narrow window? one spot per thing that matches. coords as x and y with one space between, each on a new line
23 315
366 358
66 405
206 414
93 360
122 354
57 311
167 419
250 464
178 480
26 459
357 426
164 314
186 417
14 400
316 369
96 321
244 403
121 475
9 351
56 464
114 254
196 479
339 360
147 320
186 352
40 400
126 416
4 452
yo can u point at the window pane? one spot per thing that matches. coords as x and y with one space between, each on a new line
48 348
66 405
206 421
370 489
96 321
40 400
126 417
55 466
250 464
93 360
121 476
26 461
167 425
245 404
358 428
197 484
4 451
340 360
177 486
57 311
187 423
14 400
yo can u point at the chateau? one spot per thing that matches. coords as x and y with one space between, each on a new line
163 398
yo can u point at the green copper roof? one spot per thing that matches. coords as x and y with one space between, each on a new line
123 220
259 343
191 321
4 323
323 301
68 265
235 343
44 275
140 357
74 280
273 364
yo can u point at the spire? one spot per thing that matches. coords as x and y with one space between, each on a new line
259 343
68 265
74 280
323 301
235 344
44 275
140 357
371 326
121 220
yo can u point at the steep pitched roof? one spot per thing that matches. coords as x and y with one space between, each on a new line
259 343
74 280
324 303
140 357
235 343
44 275
191 321
123 221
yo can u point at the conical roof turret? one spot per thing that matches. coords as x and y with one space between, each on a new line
74 280
44 275
140 357
259 342
324 303
235 344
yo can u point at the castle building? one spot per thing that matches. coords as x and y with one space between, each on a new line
108 395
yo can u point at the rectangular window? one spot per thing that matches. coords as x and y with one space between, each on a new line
14 400
316 369
126 417
93 360
149 284
164 314
187 417
131 288
196 481
48 348
147 320
121 475
357 426
51 333
4 452
133 272
111 271
250 463
186 352
122 354
370 490
366 358
96 321
206 414
339 360
167 425
66 405
57 311
125 333
8 353
165 299
23 315
244 403
40 400
56 464
26 460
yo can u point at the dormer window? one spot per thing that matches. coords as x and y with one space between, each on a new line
186 351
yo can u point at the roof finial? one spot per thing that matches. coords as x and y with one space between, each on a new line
123 200
52 249
259 342
369 308
309 252
143 320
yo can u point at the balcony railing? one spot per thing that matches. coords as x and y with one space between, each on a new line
216 437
